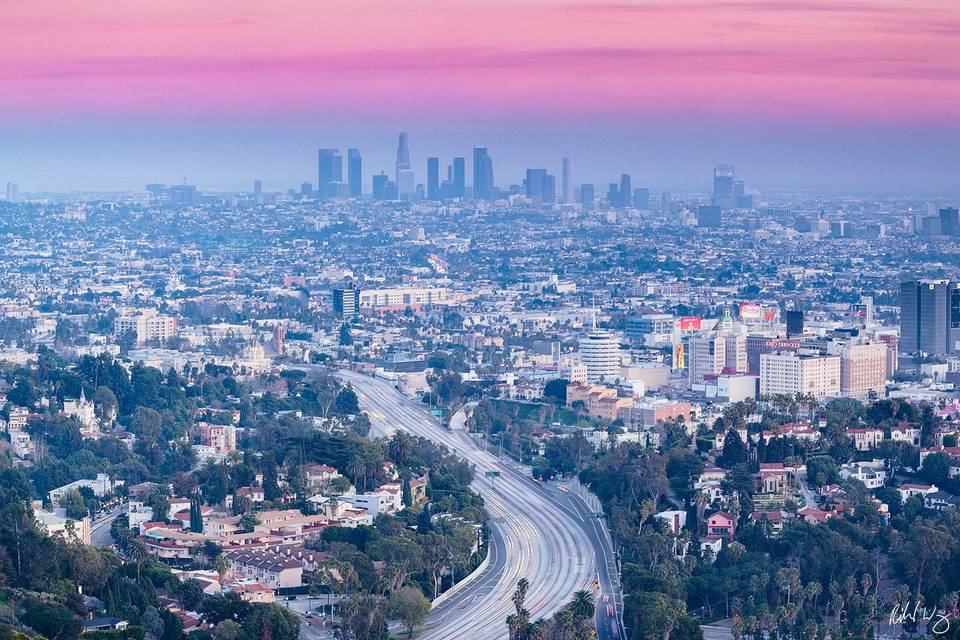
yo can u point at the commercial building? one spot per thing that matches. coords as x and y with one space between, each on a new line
600 352
790 373
147 326
403 297
716 353
929 316
863 367
346 303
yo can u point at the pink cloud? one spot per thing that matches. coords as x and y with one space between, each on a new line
809 58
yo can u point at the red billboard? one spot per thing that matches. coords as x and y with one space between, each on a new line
689 323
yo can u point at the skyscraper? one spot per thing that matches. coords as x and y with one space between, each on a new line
482 174
709 216
549 189
404 174
329 173
433 178
534 184
459 184
723 188
626 191
587 195
355 172
567 181
948 221
929 316
12 191
600 352
257 188
641 199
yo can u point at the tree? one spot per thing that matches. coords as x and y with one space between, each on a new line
139 553
54 621
226 630
556 389
582 605
196 514
734 451
345 338
409 606
347 402
105 404
221 565
936 468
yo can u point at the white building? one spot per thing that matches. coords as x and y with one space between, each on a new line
82 410
789 372
56 523
600 353
101 486
147 326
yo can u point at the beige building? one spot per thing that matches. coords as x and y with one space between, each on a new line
717 353
789 372
863 367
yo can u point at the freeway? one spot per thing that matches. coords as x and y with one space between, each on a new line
537 533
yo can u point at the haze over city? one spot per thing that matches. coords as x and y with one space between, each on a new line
803 94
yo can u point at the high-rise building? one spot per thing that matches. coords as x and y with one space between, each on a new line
791 372
613 195
723 187
12 193
929 316
626 191
567 181
329 172
863 367
716 353
404 177
600 352
458 188
666 202
587 195
306 190
709 216
534 184
948 221
862 312
346 303
794 320
383 187
257 188
641 199
355 172
482 174
433 178
549 189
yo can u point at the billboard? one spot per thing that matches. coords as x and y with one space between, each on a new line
751 311
679 356
689 323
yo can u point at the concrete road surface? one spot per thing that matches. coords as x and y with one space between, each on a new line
538 535
100 529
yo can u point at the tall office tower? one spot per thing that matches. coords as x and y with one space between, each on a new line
355 172
641 199
626 190
346 303
257 187
482 174
613 195
306 190
567 181
666 202
404 173
433 178
723 179
12 191
534 184
459 181
330 172
383 187
587 195
709 216
549 189
600 352
862 312
948 221
929 316
794 320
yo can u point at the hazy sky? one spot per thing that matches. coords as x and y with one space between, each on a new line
837 93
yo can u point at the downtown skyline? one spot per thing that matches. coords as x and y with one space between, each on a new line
800 94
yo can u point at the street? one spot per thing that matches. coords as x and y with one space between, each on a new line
538 534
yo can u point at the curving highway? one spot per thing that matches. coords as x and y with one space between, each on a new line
538 534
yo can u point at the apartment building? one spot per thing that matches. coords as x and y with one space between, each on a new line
790 372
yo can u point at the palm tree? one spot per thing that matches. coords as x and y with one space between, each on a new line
357 468
582 605
400 447
523 585
222 565
138 553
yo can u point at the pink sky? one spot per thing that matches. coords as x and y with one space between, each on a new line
815 60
